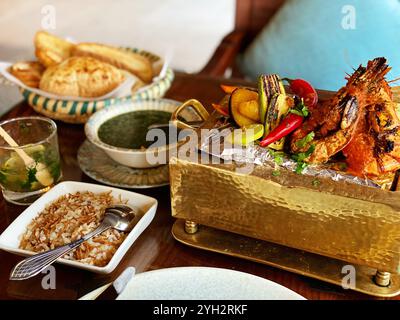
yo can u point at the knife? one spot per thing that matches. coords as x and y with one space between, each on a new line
111 291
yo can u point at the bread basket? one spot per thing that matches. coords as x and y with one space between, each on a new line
71 111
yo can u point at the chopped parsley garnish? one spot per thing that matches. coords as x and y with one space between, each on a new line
276 173
300 109
300 167
278 156
306 140
299 113
300 157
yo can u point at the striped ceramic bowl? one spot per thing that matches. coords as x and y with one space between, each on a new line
79 111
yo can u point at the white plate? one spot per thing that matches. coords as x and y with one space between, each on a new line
10 238
202 283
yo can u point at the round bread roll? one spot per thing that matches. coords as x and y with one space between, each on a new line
81 77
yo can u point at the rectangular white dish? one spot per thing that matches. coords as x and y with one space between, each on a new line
10 238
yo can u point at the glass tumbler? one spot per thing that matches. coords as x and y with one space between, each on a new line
33 167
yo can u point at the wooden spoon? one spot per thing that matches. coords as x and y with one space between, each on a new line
42 174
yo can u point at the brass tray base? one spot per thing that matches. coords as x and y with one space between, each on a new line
289 259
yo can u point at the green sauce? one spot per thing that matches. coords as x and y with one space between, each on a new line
129 130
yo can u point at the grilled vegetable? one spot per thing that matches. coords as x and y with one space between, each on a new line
220 109
250 110
223 106
246 134
239 96
289 124
268 86
273 104
228 89
277 109
304 90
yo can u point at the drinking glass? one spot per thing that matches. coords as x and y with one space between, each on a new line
37 137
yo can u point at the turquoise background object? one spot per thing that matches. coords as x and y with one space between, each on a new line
315 40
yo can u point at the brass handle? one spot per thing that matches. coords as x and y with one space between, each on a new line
197 106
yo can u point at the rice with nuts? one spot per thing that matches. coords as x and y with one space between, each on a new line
69 218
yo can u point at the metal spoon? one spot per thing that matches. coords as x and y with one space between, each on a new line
120 217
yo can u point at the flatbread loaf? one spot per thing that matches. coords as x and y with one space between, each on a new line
51 50
81 77
29 72
132 62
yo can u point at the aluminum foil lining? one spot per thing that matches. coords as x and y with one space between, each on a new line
214 143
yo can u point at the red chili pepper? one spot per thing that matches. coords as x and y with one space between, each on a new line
304 90
287 125
220 109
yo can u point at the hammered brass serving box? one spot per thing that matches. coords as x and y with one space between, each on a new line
357 224
339 220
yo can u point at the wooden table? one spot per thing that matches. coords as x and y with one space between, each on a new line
156 248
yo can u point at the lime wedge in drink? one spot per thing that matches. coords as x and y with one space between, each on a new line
32 149
14 163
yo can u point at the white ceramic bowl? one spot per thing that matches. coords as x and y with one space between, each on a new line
10 238
135 158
